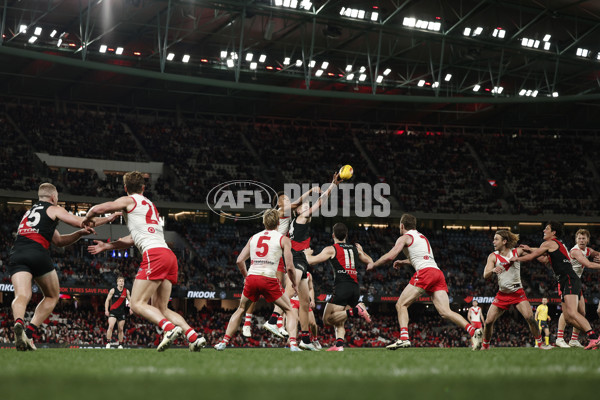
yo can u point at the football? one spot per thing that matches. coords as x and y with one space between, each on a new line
346 172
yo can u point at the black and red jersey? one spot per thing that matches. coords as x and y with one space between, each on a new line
300 235
118 300
344 264
560 260
36 228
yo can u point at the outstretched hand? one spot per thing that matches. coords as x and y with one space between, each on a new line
114 216
99 247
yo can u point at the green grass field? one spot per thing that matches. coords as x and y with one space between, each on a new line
277 373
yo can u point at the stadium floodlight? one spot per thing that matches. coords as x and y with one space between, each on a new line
536 44
362 77
554 94
476 88
262 58
387 71
119 51
362 69
374 16
478 31
467 32
279 3
434 26
524 42
361 14
249 57
286 61
223 53
435 85
522 92
170 56
421 83
598 56
583 52
547 38
534 93
448 77
348 67
185 58
380 79
53 33
546 45
319 72
59 43
421 24
528 93
499 33
23 29
298 63
234 55
530 42
350 77
103 48
38 31
312 64
230 63
410 22
253 65
325 65
306 4
286 3
497 89
502 34
32 39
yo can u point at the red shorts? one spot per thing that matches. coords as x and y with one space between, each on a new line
429 279
505 300
158 264
476 324
257 285
281 266
296 305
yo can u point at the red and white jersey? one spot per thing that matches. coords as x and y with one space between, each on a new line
284 225
509 281
419 252
265 252
577 266
475 314
145 225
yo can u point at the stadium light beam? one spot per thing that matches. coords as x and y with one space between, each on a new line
286 61
185 58
421 83
387 71
32 39
103 48
362 77
249 57
476 88
253 65
448 77
170 56
119 51
262 58
53 33
38 31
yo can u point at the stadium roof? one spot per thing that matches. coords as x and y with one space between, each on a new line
436 61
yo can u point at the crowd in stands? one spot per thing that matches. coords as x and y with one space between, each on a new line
85 325
428 171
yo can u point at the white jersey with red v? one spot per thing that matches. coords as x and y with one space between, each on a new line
145 225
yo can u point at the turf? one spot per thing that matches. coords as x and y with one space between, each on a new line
277 373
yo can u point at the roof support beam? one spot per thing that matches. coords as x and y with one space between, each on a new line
162 48
3 23
579 39
84 28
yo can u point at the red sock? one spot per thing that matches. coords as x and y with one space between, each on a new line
471 329
248 320
575 335
280 321
486 345
226 339
166 325
403 333
538 341
560 334
293 341
313 338
191 335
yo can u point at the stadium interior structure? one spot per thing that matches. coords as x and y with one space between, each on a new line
478 114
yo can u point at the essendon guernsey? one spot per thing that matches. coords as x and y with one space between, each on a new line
560 260
118 301
344 264
36 229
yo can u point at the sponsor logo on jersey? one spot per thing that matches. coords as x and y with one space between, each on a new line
198 294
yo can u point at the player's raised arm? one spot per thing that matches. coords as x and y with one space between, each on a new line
124 203
286 244
326 254
334 182
241 260
535 253
107 302
578 255
100 246
362 256
392 254
302 199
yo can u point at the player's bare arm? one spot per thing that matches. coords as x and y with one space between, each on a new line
241 260
301 200
286 244
362 256
107 302
65 240
125 203
100 246
578 255
308 213
392 254
326 254
489 266
535 253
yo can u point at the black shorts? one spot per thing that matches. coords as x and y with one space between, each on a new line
542 325
569 284
345 294
300 262
120 316
36 262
